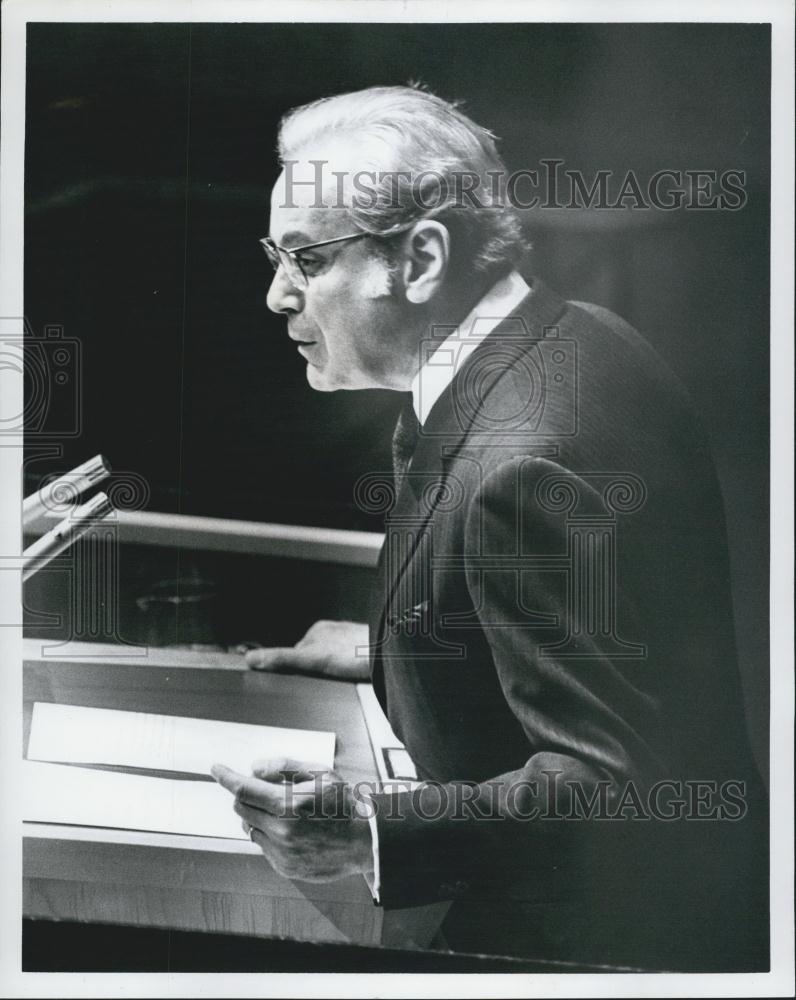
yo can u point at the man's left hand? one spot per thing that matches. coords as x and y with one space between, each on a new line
304 818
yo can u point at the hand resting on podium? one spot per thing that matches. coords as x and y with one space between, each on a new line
328 649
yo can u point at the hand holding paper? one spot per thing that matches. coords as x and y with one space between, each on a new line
306 820
72 734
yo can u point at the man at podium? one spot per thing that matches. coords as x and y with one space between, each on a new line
554 640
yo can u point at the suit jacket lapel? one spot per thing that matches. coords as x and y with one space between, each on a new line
450 422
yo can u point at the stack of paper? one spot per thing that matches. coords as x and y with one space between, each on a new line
68 734
80 796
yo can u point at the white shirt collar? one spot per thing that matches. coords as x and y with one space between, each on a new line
440 364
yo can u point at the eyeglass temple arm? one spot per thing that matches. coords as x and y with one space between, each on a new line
311 246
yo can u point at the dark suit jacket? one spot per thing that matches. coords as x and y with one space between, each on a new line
557 614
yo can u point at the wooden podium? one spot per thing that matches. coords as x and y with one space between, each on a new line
198 883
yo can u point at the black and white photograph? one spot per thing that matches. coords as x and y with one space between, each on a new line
396 428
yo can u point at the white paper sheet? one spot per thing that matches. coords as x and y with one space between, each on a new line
77 735
58 793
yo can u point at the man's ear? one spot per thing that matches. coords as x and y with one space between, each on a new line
427 251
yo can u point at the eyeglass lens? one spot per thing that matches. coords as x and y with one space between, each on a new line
291 266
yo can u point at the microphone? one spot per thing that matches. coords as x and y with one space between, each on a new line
69 486
67 531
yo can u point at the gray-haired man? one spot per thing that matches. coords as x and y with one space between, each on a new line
555 645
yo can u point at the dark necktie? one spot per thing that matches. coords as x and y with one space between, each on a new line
404 441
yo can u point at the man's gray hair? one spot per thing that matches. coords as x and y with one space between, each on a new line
410 130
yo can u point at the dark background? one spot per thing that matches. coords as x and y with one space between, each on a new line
150 153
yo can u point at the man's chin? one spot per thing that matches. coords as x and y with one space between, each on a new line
319 380
323 380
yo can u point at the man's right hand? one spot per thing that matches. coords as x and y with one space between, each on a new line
329 649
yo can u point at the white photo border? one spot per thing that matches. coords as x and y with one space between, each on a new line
779 982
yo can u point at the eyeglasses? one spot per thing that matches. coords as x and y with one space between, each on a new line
291 262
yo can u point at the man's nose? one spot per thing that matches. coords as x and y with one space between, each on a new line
284 297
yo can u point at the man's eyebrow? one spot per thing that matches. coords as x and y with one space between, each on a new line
296 237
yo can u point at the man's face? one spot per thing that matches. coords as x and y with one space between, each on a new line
350 328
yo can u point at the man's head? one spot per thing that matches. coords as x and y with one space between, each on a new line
416 184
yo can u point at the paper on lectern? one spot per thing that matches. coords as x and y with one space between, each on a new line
73 734
80 796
